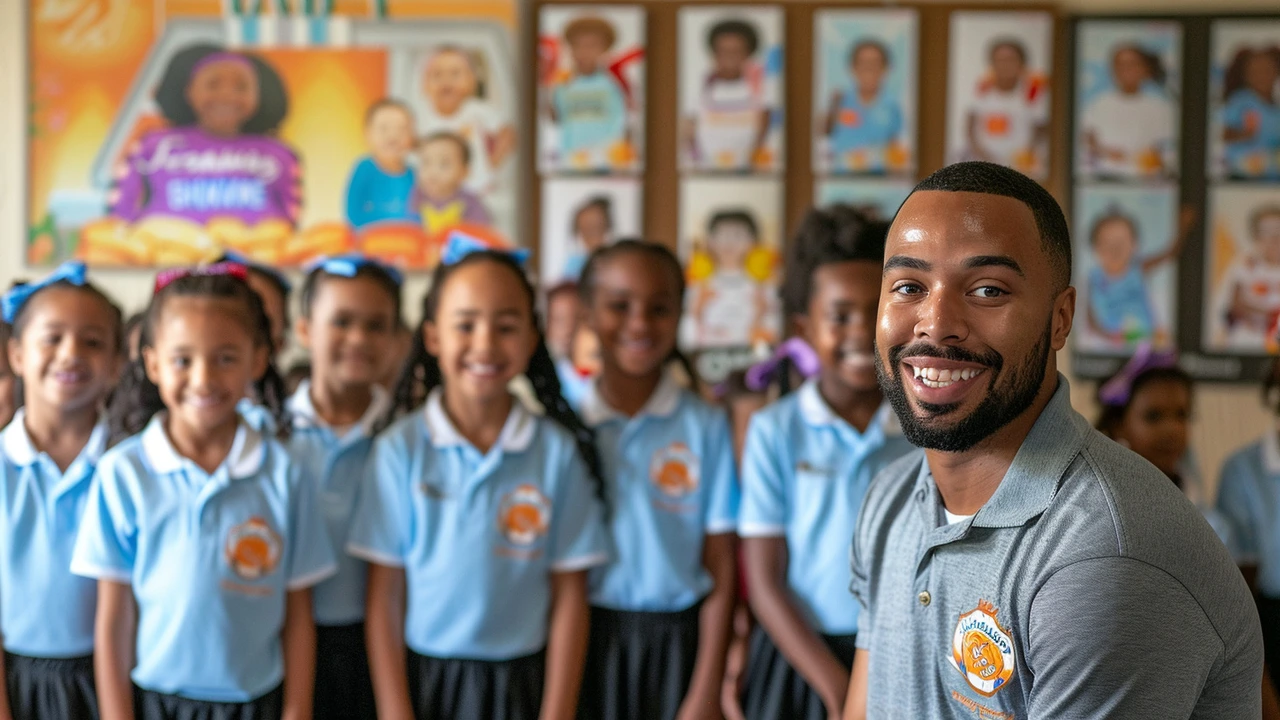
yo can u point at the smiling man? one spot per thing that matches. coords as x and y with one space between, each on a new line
1023 566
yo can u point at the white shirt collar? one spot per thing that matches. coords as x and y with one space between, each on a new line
815 410
303 413
22 452
1271 451
516 435
248 450
663 402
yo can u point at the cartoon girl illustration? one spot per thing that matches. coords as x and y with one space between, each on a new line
453 85
219 156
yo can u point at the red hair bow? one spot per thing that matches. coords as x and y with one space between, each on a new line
165 277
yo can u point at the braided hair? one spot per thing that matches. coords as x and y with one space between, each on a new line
421 373
137 399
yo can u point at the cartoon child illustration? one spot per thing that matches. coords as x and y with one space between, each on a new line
731 285
1249 299
1119 309
218 155
382 181
1251 114
452 84
1008 118
731 124
441 197
589 107
1128 130
592 229
864 121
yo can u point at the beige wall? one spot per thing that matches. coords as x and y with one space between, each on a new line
1226 416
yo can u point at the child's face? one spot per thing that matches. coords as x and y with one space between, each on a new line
224 95
1006 66
203 358
1156 424
562 321
1261 73
1113 246
1267 239
350 332
390 135
586 352
482 334
729 244
67 355
449 81
730 53
274 304
840 324
635 313
1130 71
593 227
868 68
587 49
441 170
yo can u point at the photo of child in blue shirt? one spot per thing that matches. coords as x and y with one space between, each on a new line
383 180
864 121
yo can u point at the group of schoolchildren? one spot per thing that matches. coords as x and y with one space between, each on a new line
181 539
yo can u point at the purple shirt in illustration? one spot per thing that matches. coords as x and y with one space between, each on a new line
461 207
188 173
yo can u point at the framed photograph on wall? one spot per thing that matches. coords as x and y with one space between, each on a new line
1244 100
581 215
880 197
1241 312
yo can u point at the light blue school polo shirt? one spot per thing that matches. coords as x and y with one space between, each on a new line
210 558
45 610
671 482
804 473
334 462
478 535
866 126
257 415
1249 501
592 112
1244 107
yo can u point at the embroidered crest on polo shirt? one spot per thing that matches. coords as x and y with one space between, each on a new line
253 549
674 470
982 650
524 515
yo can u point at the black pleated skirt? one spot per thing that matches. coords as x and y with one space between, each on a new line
639 664
50 688
774 690
149 705
343 688
452 689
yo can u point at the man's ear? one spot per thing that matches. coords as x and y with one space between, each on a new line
1064 313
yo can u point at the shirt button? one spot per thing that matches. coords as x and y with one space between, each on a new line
924 598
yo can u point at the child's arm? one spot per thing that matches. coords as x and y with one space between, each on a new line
566 645
855 707
833 114
115 634
799 644
1186 223
384 636
299 638
714 624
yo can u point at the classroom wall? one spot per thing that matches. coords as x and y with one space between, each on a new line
1226 416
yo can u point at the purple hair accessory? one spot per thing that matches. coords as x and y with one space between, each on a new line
222 56
796 350
1116 392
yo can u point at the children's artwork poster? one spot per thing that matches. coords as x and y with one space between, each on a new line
998 106
864 91
1128 106
582 215
1127 243
879 198
591 75
731 94
178 129
1244 100
1242 271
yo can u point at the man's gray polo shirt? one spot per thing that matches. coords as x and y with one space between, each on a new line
1086 587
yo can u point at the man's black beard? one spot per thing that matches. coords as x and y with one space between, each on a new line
999 408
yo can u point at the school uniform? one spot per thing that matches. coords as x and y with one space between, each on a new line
258 416
592 116
804 474
1259 156
46 612
670 482
333 461
478 536
210 559
864 131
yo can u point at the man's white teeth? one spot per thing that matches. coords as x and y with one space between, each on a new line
943 377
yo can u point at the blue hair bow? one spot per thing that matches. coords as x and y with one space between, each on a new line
232 256
461 244
348 266
71 272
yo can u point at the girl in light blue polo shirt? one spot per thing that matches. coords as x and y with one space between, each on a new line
350 314
661 609
67 347
480 518
808 460
204 537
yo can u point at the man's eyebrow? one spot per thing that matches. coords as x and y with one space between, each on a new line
906 262
980 261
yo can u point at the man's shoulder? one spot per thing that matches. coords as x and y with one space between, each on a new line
888 491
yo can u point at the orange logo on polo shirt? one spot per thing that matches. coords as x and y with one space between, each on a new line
850 118
982 650
998 124
253 549
674 470
524 516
